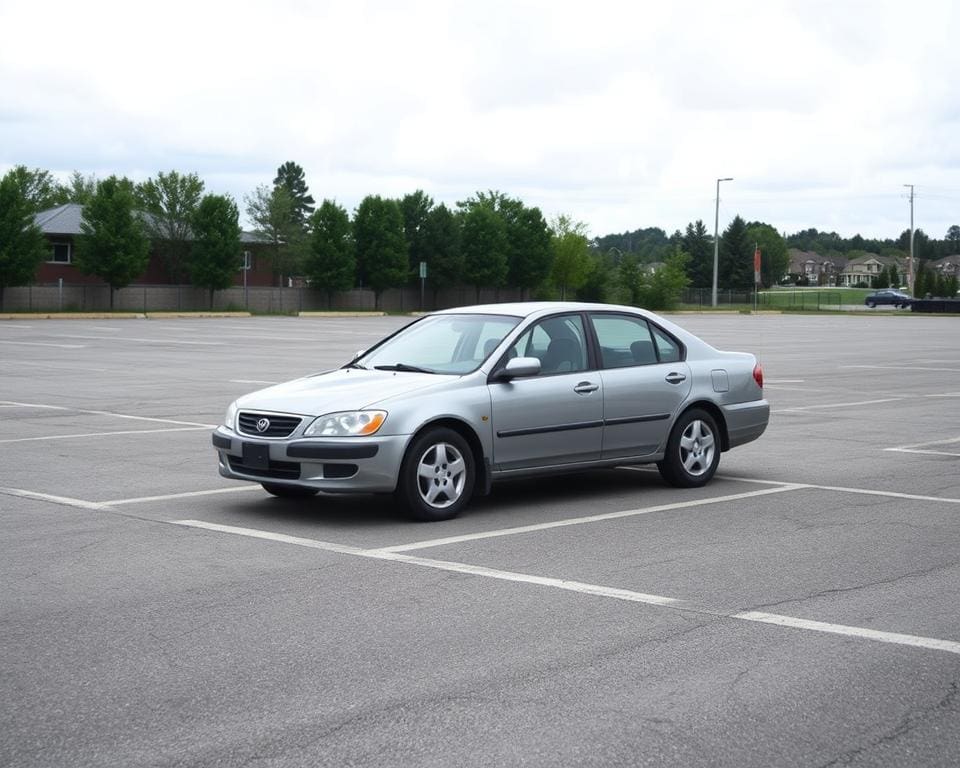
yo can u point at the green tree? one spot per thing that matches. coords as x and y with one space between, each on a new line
882 280
735 269
661 289
894 276
215 255
950 288
113 244
571 254
170 202
921 282
290 177
484 246
380 245
952 240
774 256
528 242
331 264
38 187
22 244
629 280
80 189
416 209
271 211
442 249
699 245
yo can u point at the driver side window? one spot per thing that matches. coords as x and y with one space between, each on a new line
558 343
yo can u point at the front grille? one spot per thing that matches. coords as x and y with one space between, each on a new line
280 426
277 470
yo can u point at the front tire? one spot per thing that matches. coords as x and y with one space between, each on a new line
693 450
289 491
437 475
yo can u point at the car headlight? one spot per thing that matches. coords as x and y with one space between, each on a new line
346 424
230 419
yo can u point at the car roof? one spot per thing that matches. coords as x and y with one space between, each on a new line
531 308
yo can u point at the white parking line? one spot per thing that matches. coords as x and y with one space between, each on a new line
582 520
252 381
904 367
139 339
930 643
837 405
62 500
184 495
106 413
41 344
915 641
101 434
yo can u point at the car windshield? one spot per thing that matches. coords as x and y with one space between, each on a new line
451 344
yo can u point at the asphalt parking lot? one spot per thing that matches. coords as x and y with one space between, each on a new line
802 609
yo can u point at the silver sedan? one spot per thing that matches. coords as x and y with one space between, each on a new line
463 398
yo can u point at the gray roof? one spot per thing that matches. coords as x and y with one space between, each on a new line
62 220
65 220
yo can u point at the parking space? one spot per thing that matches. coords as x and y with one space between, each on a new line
801 609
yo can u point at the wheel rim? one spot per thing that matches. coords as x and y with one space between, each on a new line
441 475
697 448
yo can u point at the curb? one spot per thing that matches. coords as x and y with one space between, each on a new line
187 315
341 314
74 316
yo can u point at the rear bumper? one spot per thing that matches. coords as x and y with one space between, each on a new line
746 421
342 465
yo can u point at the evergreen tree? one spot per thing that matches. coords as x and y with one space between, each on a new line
290 177
882 280
894 276
774 257
736 257
699 245
215 255
22 244
331 264
380 245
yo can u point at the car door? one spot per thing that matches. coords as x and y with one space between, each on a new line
555 417
645 382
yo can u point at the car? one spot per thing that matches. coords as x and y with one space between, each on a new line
888 296
463 398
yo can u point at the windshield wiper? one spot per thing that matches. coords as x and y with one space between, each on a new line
403 367
355 365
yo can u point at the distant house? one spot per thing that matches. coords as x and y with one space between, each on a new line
863 269
61 226
948 266
816 269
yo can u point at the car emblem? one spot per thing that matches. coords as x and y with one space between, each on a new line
263 425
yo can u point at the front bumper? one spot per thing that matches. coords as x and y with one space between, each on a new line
338 465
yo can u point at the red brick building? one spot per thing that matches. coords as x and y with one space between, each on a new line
61 226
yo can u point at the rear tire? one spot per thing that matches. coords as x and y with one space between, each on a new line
437 475
693 450
289 491
871 305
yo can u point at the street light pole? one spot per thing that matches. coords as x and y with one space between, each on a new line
716 242
910 260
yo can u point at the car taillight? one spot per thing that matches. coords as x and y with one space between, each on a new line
758 375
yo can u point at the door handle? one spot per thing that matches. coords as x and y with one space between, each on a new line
675 378
586 387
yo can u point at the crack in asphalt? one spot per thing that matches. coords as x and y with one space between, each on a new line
910 722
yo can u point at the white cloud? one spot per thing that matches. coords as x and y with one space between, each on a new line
622 114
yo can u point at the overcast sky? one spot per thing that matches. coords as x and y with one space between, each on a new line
621 114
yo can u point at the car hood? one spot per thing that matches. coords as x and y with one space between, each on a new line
345 389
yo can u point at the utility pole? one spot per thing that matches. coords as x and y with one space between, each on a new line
910 259
716 242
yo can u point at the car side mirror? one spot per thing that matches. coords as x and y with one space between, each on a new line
519 367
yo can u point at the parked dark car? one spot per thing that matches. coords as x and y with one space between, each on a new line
888 296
